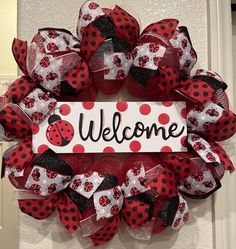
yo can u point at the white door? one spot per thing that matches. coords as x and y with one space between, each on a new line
9 232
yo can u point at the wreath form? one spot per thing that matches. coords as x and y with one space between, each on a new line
93 193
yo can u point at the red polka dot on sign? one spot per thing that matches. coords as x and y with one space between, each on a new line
167 103
183 141
64 109
42 148
135 146
35 128
184 113
121 106
166 149
78 148
145 109
88 105
108 150
164 118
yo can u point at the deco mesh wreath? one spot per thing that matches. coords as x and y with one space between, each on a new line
93 193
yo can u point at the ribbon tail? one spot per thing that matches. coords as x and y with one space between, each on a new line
69 213
39 208
203 149
19 50
107 232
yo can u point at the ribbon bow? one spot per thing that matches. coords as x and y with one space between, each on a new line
107 38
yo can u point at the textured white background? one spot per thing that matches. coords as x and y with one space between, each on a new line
197 234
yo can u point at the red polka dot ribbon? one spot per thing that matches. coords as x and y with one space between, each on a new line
43 207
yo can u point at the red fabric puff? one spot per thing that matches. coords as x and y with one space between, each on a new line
14 124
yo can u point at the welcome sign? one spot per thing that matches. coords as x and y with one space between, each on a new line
107 127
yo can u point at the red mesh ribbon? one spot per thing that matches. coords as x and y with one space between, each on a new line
42 208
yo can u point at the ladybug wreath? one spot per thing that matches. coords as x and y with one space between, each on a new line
94 193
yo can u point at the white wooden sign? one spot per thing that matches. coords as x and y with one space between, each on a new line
108 127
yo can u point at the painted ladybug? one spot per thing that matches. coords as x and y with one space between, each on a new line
44 96
198 176
136 171
52 34
143 182
186 217
36 175
37 116
187 185
208 184
56 90
179 52
51 76
87 17
59 132
29 102
116 194
87 175
198 108
181 207
45 62
35 188
128 55
126 181
51 174
195 138
107 71
206 125
51 105
93 6
157 60
184 43
104 200
88 186
76 183
193 121
134 191
212 112
52 188
192 53
187 63
143 60
198 146
38 78
176 223
120 75
52 47
210 157
199 192
66 40
117 61
153 47
114 210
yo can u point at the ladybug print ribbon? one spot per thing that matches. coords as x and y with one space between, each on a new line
203 148
86 184
46 182
117 65
135 182
202 116
108 202
37 104
182 215
89 12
